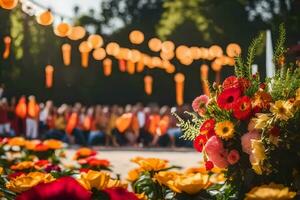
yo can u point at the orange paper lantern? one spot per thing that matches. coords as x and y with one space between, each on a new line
49 76
8 4
167 46
130 67
155 44
170 69
99 54
66 52
135 55
233 50
7 42
216 65
112 48
63 29
77 33
140 66
167 55
122 65
215 51
136 37
107 66
45 18
195 52
85 49
179 84
95 41
148 82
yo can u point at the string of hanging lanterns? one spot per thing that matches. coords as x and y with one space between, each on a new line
130 60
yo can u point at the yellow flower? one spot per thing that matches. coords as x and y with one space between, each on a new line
113 183
25 182
225 129
141 196
22 165
1 170
282 110
261 120
258 155
151 164
31 144
94 179
53 144
271 191
261 99
217 178
16 141
167 178
192 183
133 175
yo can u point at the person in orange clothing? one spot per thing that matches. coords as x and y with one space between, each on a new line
162 125
32 118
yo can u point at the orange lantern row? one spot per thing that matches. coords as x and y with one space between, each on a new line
8 4
136 37
233 50
204 79
148 82
63 29
45 18
49 69
7 42
107 66
95 41
179 84
85 49
77 33
66 52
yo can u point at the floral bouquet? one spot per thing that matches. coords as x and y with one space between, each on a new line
251 129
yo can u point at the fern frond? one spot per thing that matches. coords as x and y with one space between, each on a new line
279 48
247 70
189 129
239 64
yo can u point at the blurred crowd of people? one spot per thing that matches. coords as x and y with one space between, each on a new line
132 125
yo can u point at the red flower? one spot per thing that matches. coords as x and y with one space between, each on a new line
60 189
94 162
231 82
86 170
199 142
209 165
244 84
227 99
275 131
208 128
120 194
41 163
41 147
15 175
242 109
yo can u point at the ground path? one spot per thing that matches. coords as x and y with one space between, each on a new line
120 157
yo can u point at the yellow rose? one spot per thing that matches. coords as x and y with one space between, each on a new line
192 183
258 155
113 183
22 165
25 182
152 164
133 175
16 141
53 144
271 191
94 179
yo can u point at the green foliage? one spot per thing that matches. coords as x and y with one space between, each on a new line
17 33
284 84
189 128
245 69
223 192
279 48
153 190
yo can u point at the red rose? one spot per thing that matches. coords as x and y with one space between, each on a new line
242 109
120 194
209 165
199 142
231 82
228 98
61 189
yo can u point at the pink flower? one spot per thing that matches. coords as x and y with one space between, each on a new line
246 140
199 104
233 157
216 152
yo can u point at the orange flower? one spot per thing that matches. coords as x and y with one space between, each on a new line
261 99
53 144
41 147
151 164
31 144
16 141
84 152
133 175
22 165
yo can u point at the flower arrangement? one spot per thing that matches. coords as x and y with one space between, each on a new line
251 129
30 175
155 179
